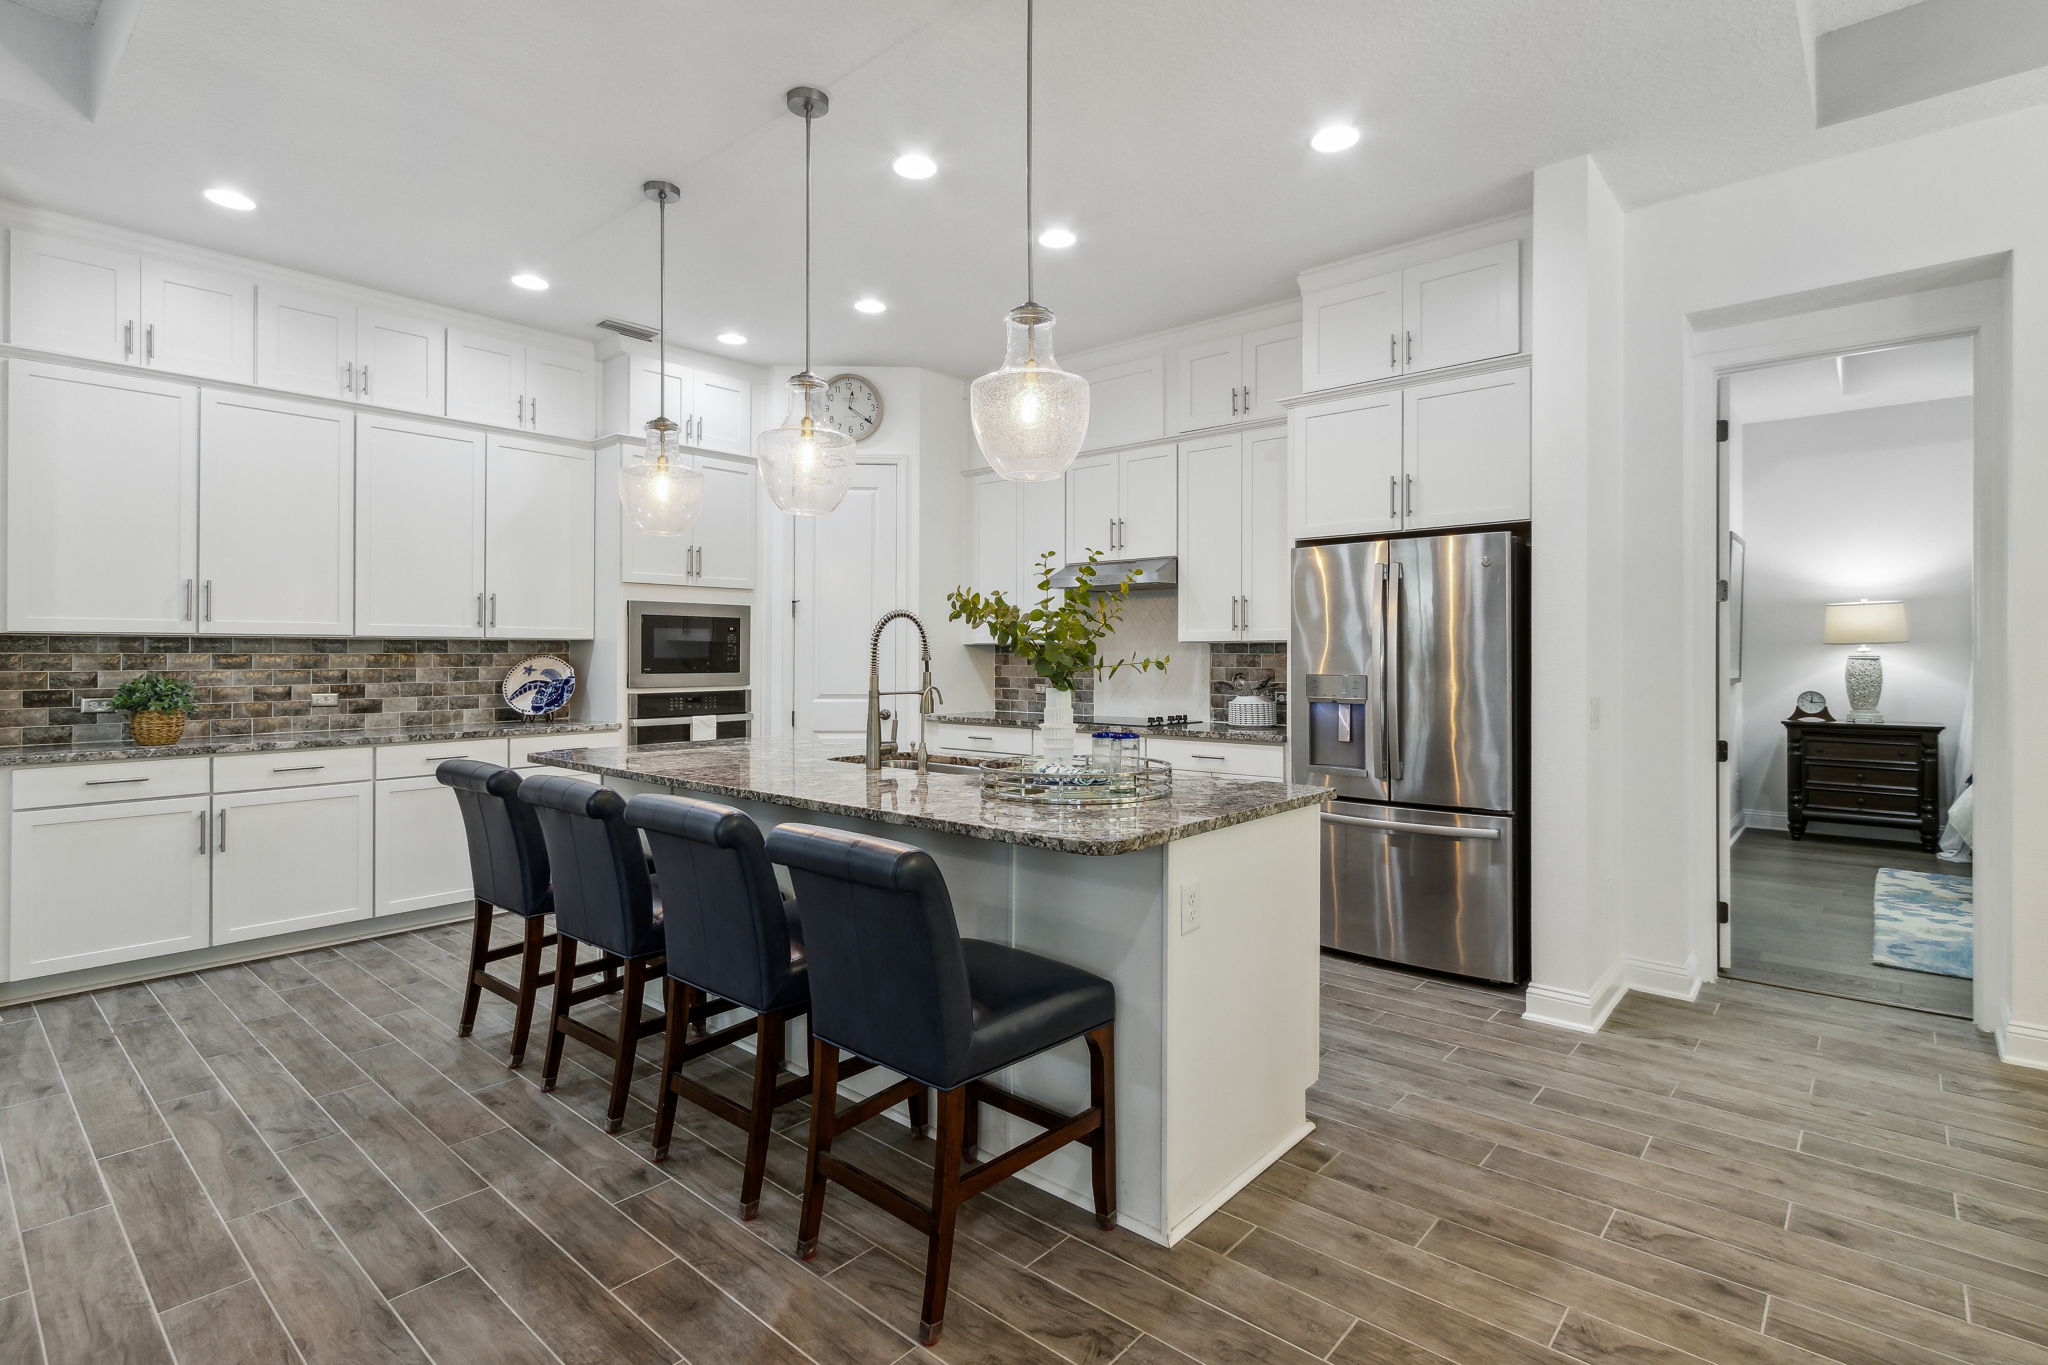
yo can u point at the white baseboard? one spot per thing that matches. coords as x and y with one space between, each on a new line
1677 981
1764 819
1580 1011
2023 1045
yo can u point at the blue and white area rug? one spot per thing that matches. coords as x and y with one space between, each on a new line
1924 922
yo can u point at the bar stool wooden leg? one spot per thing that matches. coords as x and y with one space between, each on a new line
921 1114
529 986
824 1110
970 1126
1102 1095
558 1008
472 989
628 1040
768 1036
676 1002
938 1265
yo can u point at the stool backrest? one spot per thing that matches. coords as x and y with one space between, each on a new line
888 981
603 895
722 911
507 860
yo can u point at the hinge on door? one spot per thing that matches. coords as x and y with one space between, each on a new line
1721 912
1720 751
1720 429
1721 590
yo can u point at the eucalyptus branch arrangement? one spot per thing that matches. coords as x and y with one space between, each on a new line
1061 636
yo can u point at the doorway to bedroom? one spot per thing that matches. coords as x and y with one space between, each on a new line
1846 645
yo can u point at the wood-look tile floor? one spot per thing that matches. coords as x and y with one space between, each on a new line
297 1161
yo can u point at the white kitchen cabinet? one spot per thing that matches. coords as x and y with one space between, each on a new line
276 516
1351 333
74 298
198 320
419 528
1466 451
1126 403
290 859
1345 466
947 738
1267 611
401 361
1234 561
102 501
722 409
99 884
422 851
719 551
1464 308
1041 526
714 409
1236 379
537 540
305 342
486 378
1227 758
560 393
1092 503
994 556
1123 504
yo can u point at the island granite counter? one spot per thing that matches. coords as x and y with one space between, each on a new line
1203 909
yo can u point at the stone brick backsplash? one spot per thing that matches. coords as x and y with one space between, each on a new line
1020 693
256 685
1257 662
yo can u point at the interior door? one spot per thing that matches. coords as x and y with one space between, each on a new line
1466 451
1450 674
1351 334
198 321
849 570
107 883
75 298
537 541
1212 530
725 533
1463 308
1272 370
401 362
486 378
419 528
102 501
276 517
1091 507
292 859
722 413
1726 650
1147 493
558 393
305 342
1264 612
1208 379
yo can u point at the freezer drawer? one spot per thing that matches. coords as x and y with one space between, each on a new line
1431 889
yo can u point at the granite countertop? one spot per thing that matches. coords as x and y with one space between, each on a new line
801 774
42 755
1207 732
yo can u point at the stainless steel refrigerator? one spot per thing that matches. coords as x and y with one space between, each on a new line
1407 680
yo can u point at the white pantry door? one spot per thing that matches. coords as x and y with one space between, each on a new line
849 570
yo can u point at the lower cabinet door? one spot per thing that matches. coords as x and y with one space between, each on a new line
292 859
93 885
422 852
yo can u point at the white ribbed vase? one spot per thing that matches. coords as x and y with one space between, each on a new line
1056 731
1864 679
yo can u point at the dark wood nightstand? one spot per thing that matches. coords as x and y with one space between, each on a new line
1865 775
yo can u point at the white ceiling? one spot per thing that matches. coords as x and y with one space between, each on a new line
432 149
70 11
1918 373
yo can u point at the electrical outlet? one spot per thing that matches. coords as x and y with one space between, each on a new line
1190 905
96 704
325 699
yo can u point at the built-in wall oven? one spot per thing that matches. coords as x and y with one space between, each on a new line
697 646
684 717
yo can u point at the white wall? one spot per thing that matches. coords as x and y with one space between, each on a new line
1874 503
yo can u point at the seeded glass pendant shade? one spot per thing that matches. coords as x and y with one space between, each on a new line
661 491
806 466
1030 415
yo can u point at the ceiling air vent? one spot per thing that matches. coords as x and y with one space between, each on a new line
637 331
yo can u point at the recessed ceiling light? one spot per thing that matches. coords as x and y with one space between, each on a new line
870 306
1334 137
230 199
915 166
1056 238
530 281
732 339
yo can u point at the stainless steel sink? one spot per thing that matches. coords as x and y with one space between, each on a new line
908 761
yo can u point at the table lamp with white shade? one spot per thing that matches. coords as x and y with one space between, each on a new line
1864 624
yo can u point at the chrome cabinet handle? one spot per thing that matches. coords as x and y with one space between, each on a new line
1393 495
364 373
221 825
206 596
1233 402
301 768
188 601
700 431
494 609
1409 359
113 781
533 413
348 376
1247 400
1403 827
149 344
1393 351
127 339
1408 509
1245 605
1236 621
1209 758
519 411
202 834
479 611
1120 533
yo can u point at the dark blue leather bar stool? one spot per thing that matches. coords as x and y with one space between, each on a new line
604 898
732 937
893 982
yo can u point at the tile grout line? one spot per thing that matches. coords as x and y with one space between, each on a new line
14 1211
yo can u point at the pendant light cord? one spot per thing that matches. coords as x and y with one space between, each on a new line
1030 283
808 117
661 306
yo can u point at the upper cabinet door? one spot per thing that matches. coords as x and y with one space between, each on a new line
1268 566
1147 494
1345 465
1351 334
722 413
1272 370
1212 534
199 321
486 378
102 501
1468 450
1466 308
1091 508
537 554
1041 526
74 298
1126 403
560 393
994 562
276 517
724 533
419 528
401 362
305 342
1208 385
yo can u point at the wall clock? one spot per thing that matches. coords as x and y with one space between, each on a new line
853 405
1810 706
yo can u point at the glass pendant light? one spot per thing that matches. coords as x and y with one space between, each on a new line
1029 415
806 465
662 493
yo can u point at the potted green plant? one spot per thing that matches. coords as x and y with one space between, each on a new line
1060 637
156 707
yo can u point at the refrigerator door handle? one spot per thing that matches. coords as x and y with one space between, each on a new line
1391 690
1403 827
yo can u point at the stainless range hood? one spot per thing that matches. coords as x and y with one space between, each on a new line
1154 575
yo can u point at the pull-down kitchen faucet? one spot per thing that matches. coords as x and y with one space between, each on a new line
928 696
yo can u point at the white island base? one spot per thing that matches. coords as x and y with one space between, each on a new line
1212 941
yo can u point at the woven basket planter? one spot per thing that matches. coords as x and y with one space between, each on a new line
157 727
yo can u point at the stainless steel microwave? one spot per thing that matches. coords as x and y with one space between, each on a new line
687 644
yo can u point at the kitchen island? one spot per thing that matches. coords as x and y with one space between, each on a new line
1202 909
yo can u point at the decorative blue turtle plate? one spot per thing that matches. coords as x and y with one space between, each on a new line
539 686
